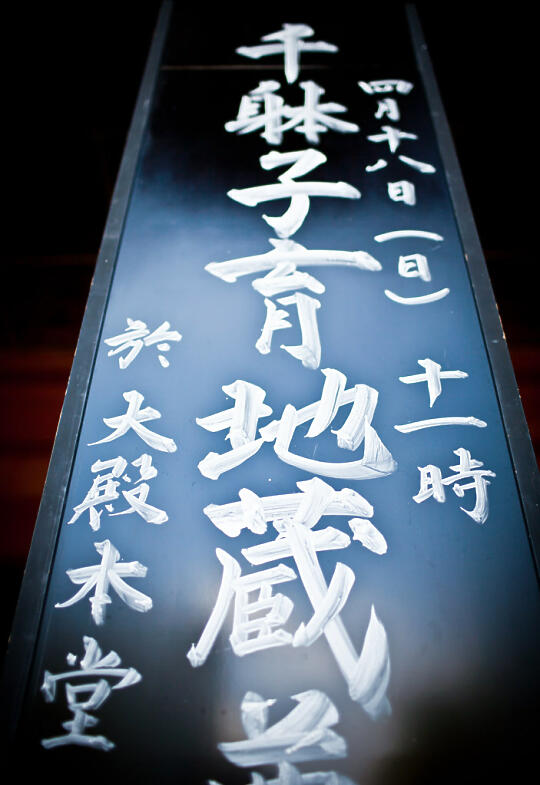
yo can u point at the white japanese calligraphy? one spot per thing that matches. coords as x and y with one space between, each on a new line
422 299
432 484
433 375
376 462
415 265
263 110
399 234
133 419
388 107
290 43
254 620
391 135
135 336
436 422
402 191
95 672
289 252
309 351
110 572
299 163
294 517
421 166
304 734
104 490
386 86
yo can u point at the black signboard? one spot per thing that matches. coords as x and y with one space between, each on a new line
288 531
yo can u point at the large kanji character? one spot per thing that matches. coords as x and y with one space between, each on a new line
376 462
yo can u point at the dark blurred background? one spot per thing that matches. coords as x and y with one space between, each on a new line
72 81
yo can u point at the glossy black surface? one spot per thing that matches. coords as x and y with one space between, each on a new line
459 601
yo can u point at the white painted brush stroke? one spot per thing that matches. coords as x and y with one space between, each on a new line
242 419
370 537
435 422
301 162
399 234
423 167
432 376
377 460
215 464
93 665
255 632
414 265
252 631
334 385
289 222
109 572
314 118
391 135
367 676
352 432
402 191
136 499
432 484
297 539
314 502
232 518
249 407
290 43
309 412
135 336
302 735
133 419
327 539
380 164
421 300
254 713
290 252
260 110
144 465
104 489
372 675
253 513
309 351
285 277
265 111
386 86
470 468
333 603
198 653
481 508
276 319
388 107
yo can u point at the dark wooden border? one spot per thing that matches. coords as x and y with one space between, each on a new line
515 424
27 618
